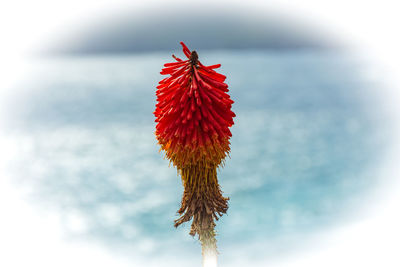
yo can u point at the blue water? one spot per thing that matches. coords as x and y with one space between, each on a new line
306 141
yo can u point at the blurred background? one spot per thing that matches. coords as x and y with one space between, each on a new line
309 141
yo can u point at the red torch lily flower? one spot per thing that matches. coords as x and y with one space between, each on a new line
193 115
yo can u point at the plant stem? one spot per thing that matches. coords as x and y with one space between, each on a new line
208 246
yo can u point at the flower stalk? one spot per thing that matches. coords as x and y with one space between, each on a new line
193 115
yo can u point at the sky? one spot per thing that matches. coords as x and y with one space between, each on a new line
235 28
26 25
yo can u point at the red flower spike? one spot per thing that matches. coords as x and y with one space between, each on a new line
193 115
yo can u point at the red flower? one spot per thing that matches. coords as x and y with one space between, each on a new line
193 112
193 115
